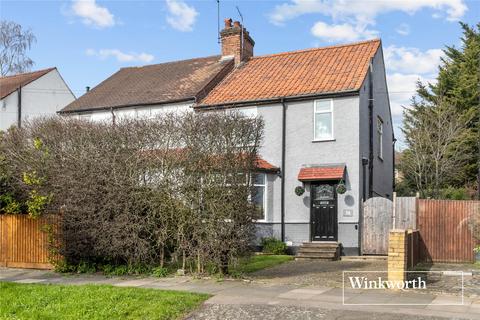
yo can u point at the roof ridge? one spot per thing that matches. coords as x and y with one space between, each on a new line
170 62
30 72
351 44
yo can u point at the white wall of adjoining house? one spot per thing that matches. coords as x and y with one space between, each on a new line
40 98
9 111
45 96
134 112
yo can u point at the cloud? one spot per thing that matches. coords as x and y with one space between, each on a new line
93 14
403 29
341 32
180 15
120 56
357 16
405 67
401 88
412 60
363 12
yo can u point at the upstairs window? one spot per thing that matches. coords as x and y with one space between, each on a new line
380 137
323 120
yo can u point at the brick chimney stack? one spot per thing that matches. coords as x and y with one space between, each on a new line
231 37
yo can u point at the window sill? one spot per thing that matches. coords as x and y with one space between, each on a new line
261 221
324 140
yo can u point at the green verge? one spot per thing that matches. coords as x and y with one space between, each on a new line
40 301
259 262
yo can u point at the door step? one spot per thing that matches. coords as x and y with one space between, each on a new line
318 251
364 258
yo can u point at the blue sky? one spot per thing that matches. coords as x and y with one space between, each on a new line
88 40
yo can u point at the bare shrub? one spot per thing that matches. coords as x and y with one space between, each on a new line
142 191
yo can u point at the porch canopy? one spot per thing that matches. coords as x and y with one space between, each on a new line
330 172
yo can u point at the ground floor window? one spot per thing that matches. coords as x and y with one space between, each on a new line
259 194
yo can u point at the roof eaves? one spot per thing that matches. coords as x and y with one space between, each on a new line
189 99
233 104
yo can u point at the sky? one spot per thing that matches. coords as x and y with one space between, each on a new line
89 40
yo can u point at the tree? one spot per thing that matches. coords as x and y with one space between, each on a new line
458 86
435 155
14 43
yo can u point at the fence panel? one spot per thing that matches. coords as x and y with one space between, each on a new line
405 213
23 244
377 221
444 231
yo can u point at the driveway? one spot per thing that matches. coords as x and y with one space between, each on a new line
314 273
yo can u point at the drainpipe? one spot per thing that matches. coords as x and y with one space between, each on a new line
393 171
284 120
19 105
370 116
113 116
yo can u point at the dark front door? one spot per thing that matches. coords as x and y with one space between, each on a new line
323 212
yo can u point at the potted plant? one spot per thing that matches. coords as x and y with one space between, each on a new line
299 190
341 188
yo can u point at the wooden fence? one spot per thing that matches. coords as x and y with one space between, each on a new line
445 235
23 244
380 215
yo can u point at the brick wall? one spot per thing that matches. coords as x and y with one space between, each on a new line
231 37
397 255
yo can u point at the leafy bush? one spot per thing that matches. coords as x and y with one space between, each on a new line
86 267
160 272
8 204
452 193
273 245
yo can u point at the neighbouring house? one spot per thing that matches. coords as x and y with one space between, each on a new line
327 123
28 95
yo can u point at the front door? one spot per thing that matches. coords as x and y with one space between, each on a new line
323 212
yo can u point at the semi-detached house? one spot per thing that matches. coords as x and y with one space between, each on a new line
327 122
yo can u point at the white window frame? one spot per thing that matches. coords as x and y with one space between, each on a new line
315 112
264 185
380 137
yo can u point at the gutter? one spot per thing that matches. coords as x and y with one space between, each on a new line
282 174
19 105
190 99
257 102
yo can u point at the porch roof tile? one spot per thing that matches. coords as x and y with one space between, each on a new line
321 173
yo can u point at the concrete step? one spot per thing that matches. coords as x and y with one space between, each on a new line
318 249
364 258
316 255
320 244
314 258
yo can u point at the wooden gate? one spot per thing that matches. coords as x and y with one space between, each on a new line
445 235
377 222
23 244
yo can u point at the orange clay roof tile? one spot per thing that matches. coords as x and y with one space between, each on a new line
311 71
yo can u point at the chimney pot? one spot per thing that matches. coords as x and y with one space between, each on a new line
233 44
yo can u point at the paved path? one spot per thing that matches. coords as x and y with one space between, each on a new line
251 300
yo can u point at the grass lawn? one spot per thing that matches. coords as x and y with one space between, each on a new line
259 262
40 301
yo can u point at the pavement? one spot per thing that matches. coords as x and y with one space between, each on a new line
238 299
